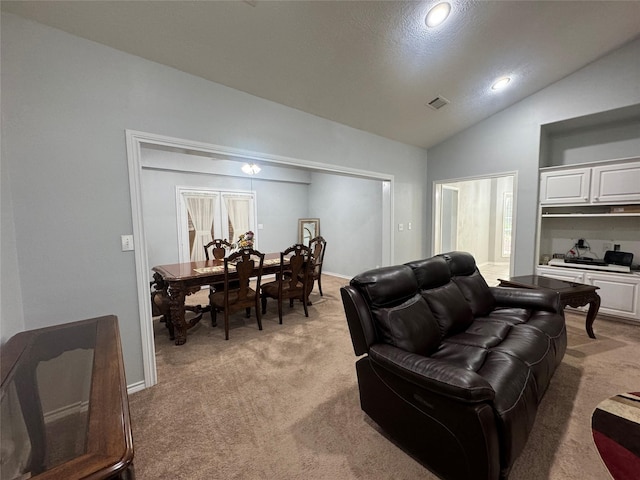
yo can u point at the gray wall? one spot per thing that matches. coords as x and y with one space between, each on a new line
510 140
66 103
10 289
350 211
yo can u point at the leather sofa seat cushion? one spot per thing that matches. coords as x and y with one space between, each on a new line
546 322
515 403
409 326
532 347
516 391
449 308
483 334
513 316
469 357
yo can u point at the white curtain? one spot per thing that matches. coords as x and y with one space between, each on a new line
201 209
238 209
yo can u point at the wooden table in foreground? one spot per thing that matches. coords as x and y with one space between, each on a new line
65 410
571 294
186 278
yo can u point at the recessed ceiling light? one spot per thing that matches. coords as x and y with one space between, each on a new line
438 14
500 83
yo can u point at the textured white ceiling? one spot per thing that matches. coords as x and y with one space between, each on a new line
370 65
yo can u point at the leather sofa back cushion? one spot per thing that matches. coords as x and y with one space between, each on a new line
409 326
476 292
460 263
449 308
430 272
386 286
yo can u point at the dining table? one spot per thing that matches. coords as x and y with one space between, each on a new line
183 279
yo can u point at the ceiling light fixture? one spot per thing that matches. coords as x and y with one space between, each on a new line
438 14
500 83
250 168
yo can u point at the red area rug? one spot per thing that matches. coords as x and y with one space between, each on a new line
616 432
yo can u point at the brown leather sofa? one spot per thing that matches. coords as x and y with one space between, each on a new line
453 370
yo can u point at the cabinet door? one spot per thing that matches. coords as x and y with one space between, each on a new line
619 294
616 183
565 187
566 274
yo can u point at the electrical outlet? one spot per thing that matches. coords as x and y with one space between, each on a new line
400 227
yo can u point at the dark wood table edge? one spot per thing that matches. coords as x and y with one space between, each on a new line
576 300
108 456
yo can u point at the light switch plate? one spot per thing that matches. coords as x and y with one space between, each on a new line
127 242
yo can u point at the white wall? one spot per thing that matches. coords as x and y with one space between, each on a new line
510 140
66 104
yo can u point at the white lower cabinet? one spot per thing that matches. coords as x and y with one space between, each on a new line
619 293
560 273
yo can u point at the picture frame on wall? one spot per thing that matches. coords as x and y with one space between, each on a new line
308 228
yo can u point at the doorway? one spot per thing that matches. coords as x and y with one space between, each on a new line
477 215
137 141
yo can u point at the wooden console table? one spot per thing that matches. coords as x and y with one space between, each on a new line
571 294
64 404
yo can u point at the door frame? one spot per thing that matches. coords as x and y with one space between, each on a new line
136 140
435 207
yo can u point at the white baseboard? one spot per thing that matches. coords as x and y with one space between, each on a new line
65 411
337 275
136 387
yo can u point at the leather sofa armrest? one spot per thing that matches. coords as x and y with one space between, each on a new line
527 298
434 375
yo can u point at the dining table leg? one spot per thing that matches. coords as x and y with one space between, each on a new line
176 306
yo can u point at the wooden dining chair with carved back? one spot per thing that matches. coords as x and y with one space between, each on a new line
217 249
292 280
160 304
318 246
236 294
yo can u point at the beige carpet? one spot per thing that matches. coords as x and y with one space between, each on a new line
283 403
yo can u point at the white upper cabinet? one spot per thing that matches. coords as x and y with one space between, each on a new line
561 187
616 183
602 184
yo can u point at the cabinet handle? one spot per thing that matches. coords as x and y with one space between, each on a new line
595 199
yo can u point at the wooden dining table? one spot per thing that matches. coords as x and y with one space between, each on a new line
183 279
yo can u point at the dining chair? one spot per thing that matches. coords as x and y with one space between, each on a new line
318 246
239 268
160 305
292 280
219 250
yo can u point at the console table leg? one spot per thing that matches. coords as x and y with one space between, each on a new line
594 306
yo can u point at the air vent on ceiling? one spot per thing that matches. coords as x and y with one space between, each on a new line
438 102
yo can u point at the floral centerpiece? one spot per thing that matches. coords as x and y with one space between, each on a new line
245 240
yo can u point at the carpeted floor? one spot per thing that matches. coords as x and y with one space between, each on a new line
283 403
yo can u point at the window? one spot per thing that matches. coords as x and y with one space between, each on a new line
207 214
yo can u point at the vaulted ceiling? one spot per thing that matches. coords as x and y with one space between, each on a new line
372 65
